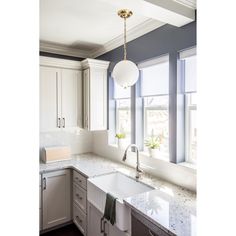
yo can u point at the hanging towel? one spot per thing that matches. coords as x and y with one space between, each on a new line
110 208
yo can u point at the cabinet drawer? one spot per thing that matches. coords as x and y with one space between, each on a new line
79 196
79 219
79 179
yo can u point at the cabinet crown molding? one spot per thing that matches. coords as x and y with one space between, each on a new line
100 64
70 64
61 63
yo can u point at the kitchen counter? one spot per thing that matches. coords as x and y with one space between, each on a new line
169 206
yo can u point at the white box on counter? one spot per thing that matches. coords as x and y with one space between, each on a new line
56 153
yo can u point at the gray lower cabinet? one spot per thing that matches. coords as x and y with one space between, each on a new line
80 201
95 225
101 227
40 204
142 227
56 194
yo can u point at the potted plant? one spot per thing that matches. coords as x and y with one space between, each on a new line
154 143
121 139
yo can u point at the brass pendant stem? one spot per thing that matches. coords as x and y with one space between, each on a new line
125 50
125 13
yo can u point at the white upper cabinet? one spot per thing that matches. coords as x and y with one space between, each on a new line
60 94
95 94
48 98
71 98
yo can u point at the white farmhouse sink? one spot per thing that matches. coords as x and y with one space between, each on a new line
119 186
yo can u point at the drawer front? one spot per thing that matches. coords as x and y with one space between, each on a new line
79 219
79 196
79 179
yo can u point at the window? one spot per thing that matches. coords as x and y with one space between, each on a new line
123 118
123 112
154 91
164 105
188 60
191 127
156 121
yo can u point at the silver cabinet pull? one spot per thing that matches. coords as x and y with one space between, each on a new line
78 196
44 183
80 181
64 122
80 221
101 224
59 123
104 227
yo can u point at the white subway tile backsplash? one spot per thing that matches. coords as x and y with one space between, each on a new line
80 141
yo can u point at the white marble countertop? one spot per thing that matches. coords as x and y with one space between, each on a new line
169 206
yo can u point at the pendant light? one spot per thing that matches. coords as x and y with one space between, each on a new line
125 72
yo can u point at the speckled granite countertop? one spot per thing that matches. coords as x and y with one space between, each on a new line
169 206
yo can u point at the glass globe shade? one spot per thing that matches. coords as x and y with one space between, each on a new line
125 73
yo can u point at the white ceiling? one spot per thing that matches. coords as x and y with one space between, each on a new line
88 27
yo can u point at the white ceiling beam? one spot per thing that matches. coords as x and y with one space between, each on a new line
167 11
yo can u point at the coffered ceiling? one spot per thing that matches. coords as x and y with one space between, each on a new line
89 28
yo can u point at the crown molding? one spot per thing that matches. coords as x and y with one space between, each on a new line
61 63
63 50
137 31
94 63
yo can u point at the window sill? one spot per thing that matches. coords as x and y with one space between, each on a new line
162 158
188 165
143 153
146 154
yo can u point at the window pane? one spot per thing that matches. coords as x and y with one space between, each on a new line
156 119
190 74
191 128
123 118
120 92
155 80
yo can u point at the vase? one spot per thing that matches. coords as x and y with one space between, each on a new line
121 143
154 152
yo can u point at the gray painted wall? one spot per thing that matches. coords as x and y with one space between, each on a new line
166 39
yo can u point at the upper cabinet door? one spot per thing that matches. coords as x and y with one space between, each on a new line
95 94
98 99
71 98
49 107
86 89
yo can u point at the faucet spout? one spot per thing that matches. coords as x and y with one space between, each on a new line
138 169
